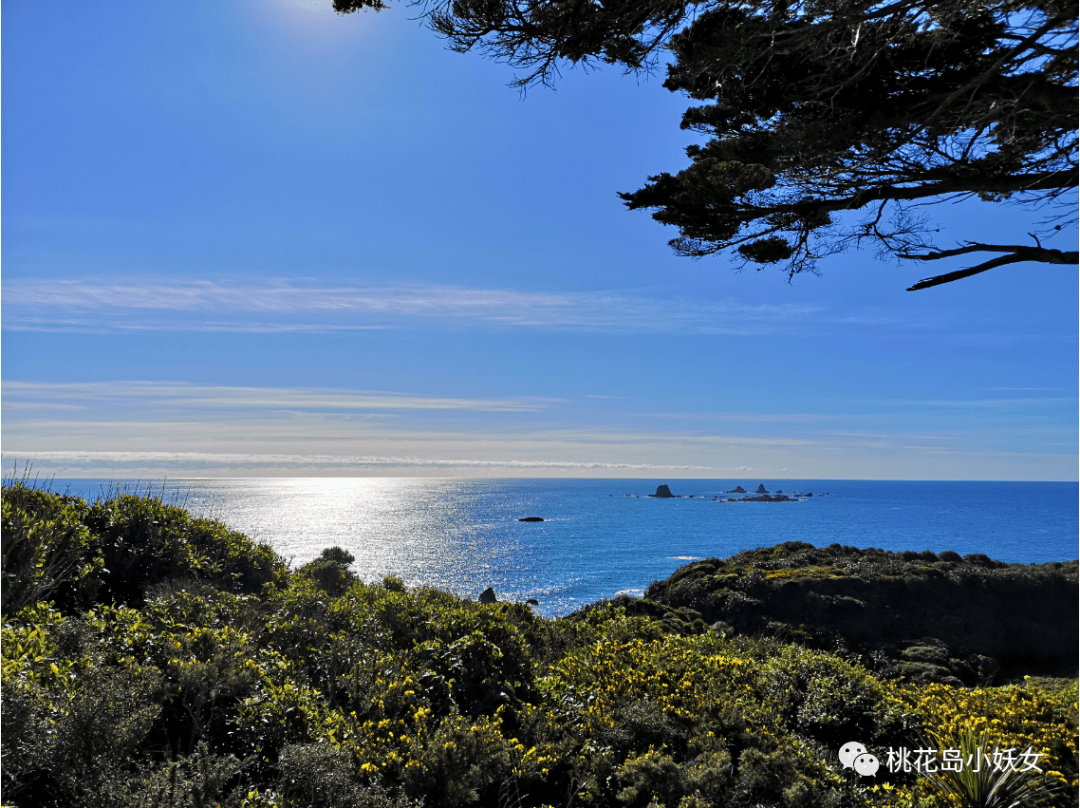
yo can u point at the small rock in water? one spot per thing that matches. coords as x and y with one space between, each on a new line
487 596
533 602
662 492
531 519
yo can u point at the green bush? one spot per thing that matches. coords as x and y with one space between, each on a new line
322 776
214 676
48 552
115 550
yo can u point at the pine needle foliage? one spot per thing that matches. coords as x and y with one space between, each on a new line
825 125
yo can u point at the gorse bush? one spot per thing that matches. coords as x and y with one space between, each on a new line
48 551
988 787
62 549
151 658
330 571
994 722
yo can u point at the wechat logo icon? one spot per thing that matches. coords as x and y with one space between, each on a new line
854 756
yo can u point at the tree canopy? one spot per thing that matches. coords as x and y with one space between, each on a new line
812 109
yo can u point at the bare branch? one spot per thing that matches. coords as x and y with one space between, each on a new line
1014 254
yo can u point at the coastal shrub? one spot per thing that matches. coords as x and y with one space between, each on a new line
330 571
97 733
479 650
77 554
824 698
322 776
338 555
803 573
1020 718
200 779
332 578
989 787
1012 618
48 553
145 541
207 672
172 605
671 619
630 698
194 687
650 777
25 745
458 763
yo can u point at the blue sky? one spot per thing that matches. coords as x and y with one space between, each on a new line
248 239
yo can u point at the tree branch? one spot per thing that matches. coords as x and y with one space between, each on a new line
1015 253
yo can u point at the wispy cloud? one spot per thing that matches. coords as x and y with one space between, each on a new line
1024 389
86 394
298 461
984 403
95 325
210 295
888 436
287 307
749 417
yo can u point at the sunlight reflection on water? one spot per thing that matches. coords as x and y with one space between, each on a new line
455 535
604 537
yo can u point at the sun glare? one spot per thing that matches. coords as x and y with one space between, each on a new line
312 22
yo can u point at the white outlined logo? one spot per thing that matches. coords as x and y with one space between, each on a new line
854 756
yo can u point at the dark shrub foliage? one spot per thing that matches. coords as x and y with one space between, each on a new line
214 676
62 549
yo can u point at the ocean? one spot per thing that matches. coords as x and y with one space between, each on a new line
600 538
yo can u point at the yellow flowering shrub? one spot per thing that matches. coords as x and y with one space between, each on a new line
1015 717
299 689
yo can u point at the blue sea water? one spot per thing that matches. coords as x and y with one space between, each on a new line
604 537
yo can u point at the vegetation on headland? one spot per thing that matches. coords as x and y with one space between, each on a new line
924 615
151 658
